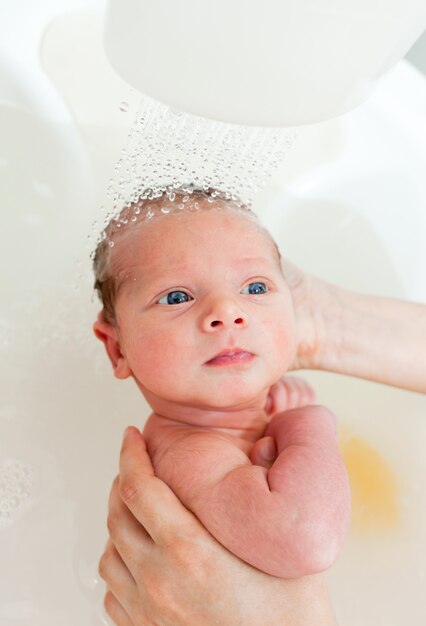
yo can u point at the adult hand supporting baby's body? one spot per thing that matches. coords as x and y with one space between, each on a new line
162 566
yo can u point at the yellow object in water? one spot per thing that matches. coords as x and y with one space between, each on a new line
374 486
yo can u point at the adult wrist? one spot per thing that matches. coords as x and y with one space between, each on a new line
331 319
371 337
321 328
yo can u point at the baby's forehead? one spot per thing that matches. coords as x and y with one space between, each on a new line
189 232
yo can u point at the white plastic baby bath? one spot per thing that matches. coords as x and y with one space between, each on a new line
348 205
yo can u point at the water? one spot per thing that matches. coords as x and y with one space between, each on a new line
168 150
16 486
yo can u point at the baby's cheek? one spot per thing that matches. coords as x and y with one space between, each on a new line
288 329
287 348
153 354
283 335
277 345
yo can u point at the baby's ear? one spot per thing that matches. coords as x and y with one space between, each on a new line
108 335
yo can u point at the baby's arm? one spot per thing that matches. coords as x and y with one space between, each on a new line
289 521
289 392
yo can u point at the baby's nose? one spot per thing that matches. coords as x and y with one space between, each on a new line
224 313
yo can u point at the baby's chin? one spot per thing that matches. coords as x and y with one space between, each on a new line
231 399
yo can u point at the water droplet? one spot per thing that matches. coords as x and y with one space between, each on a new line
165 153
111 244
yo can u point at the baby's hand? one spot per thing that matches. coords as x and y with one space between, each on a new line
290 392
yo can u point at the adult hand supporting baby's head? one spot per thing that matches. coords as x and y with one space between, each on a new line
314 303
162 566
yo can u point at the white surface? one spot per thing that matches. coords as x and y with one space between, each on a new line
284 63
348 204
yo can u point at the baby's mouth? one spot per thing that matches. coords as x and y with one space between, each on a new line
231 357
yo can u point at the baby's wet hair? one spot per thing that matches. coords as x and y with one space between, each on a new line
154 204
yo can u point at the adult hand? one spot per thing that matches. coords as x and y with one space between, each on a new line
370 337
312 306
163 568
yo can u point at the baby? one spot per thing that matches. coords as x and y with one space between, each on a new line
197 310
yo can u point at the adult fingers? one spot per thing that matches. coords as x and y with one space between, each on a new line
129 537
115 573
116 611
148 498
121 519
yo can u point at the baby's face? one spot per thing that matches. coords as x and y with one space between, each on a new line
196 285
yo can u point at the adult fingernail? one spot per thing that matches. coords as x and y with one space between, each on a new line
127 432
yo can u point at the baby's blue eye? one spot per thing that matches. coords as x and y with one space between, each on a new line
255 288
175 297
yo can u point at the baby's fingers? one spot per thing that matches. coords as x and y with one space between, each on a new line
307 394
264 452
299 392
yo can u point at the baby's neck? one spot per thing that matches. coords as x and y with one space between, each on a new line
249 418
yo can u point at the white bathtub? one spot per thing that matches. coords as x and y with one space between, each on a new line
348 205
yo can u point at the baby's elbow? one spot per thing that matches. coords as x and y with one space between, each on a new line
316 548
304 551
321 534
320 552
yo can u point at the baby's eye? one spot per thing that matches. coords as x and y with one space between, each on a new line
255 288
175 297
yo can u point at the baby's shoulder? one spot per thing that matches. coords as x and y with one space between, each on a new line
180 441
162 435
183 455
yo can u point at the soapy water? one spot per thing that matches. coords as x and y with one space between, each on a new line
16 487
169 153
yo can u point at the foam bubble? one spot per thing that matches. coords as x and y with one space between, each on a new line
16 488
